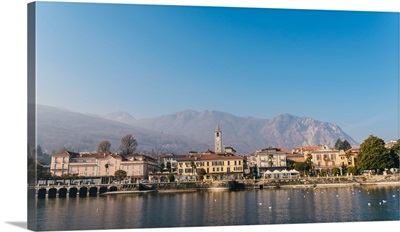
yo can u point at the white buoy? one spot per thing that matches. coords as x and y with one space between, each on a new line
260 203
383 201
270 207
369 204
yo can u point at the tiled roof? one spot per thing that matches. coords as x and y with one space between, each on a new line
308 148
65 153
199 157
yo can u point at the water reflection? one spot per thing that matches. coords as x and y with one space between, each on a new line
220 208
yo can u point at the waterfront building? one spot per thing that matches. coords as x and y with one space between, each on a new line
325 159
305 150
169 161
221 166
391 143
99 165
270 159
295 157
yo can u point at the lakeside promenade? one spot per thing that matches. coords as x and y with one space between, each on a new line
60 190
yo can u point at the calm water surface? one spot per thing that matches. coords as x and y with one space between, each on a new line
154 210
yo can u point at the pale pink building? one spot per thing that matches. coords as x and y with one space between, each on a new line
87 164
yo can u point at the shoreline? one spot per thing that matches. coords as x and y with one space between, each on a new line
303 186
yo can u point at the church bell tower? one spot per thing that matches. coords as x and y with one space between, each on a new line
218 139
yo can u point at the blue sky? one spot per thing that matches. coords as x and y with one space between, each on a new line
335 66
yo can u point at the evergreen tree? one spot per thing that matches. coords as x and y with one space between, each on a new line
342 145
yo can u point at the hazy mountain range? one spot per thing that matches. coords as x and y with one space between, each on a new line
181 132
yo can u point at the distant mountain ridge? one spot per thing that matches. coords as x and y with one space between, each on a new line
246 134
58 129
181 132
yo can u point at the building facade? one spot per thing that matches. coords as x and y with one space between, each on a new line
216 166
270 159
326 159
86 164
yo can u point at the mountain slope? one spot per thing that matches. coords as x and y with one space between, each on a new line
247 134
181 132
57 129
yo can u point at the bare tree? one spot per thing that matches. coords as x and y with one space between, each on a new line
103 146
128 144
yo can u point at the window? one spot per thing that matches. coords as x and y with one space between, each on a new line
332 156
240 162
229 162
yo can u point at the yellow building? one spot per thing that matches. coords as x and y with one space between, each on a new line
325 159
223 166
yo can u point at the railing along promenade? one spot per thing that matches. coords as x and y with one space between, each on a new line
92 190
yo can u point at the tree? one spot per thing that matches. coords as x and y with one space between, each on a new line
200 173
290 164
335 171
169 166
128 144
103 146
374 156
270 158
120 174
345 145
193 166
302 167
352 170
106 166
171 177
395 154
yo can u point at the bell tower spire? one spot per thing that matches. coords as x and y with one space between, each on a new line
218 139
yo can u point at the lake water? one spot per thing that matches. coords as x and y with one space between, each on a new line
250 207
